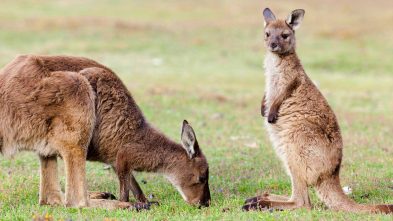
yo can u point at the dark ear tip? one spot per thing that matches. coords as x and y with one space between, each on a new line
185 122
266 10
302 11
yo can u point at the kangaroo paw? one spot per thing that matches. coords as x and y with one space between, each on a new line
272 117
141 206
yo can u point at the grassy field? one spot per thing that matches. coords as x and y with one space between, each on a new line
202 61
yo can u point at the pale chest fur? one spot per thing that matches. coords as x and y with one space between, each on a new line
272 76
272 82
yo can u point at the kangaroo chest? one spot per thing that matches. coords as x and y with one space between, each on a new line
272 77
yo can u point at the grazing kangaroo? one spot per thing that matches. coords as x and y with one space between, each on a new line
79 109
302 126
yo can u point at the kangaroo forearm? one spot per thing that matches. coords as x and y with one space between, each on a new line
137 191
286 93
280 98
263 106
276 104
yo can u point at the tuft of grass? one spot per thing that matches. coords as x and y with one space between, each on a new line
202 61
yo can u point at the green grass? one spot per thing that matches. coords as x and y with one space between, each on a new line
202 61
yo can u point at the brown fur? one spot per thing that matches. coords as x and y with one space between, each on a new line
124 139
302 127
77 108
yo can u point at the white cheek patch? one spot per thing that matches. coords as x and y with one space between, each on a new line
181 193
173 180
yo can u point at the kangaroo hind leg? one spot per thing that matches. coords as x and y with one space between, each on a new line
50 191
299 199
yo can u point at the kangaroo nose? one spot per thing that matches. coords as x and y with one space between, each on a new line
205 204
273 45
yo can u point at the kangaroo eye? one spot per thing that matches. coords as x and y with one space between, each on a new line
202 179
284 36
267 34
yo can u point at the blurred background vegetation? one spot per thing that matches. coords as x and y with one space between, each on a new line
202 61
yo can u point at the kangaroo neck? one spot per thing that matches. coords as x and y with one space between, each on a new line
163 152
281 63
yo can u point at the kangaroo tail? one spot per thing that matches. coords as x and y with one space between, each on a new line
330 192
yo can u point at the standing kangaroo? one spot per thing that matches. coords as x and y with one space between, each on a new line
302 126
79 109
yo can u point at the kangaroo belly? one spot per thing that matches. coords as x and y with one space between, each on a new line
41 147
304 146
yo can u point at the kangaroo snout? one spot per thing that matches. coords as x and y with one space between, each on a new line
205 202
273 45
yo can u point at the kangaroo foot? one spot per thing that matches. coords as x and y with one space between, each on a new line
115 204
264 203
257 203
256 198
54 198
268 196
102 195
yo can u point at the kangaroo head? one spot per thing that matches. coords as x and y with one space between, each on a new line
191 174
280 34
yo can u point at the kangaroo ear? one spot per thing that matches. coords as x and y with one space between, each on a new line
295 18
188 140
268 16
